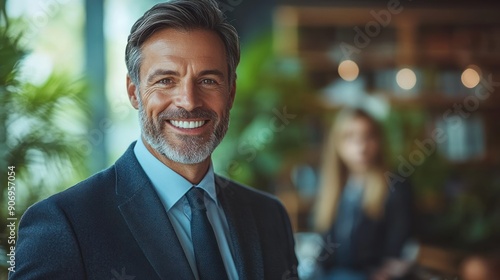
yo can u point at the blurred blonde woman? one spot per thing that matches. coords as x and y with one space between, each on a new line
364 219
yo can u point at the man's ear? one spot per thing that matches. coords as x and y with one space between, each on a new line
131 91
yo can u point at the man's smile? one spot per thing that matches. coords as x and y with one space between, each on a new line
187 124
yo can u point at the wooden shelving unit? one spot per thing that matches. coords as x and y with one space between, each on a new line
434 42
416 37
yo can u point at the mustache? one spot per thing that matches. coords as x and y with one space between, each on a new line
181 113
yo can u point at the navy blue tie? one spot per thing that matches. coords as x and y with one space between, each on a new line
206 250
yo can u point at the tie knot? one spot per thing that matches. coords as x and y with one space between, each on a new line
195 197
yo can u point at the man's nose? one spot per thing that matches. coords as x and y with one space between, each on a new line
188 97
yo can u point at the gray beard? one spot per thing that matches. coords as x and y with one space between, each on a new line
194 149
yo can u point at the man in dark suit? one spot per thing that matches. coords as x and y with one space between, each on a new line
160 212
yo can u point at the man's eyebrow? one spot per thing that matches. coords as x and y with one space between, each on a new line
161 72
212 72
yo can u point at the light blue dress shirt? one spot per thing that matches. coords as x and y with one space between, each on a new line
171 188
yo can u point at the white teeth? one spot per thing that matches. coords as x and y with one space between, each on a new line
187 124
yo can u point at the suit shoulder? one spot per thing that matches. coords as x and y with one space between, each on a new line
250 194
92 187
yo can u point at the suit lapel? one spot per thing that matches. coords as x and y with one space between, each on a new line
147 220
244 236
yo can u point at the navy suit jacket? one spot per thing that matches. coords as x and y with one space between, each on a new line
113 226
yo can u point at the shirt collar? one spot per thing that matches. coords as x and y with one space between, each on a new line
169 185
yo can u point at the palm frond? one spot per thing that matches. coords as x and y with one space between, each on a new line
46 100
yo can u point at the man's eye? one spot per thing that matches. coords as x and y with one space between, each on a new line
165 81
208 82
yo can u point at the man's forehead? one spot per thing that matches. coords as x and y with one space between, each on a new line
171 48
186 43
192 39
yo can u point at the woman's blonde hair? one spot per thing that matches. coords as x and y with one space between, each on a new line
334 174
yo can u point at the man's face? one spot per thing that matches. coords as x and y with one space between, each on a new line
184 94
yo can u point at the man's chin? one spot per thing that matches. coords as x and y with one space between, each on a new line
188 159
185 154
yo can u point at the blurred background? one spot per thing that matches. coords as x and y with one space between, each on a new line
428 71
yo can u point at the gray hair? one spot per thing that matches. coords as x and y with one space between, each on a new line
183 15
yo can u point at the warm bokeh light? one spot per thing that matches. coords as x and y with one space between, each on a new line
470 77
348 70
406 78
